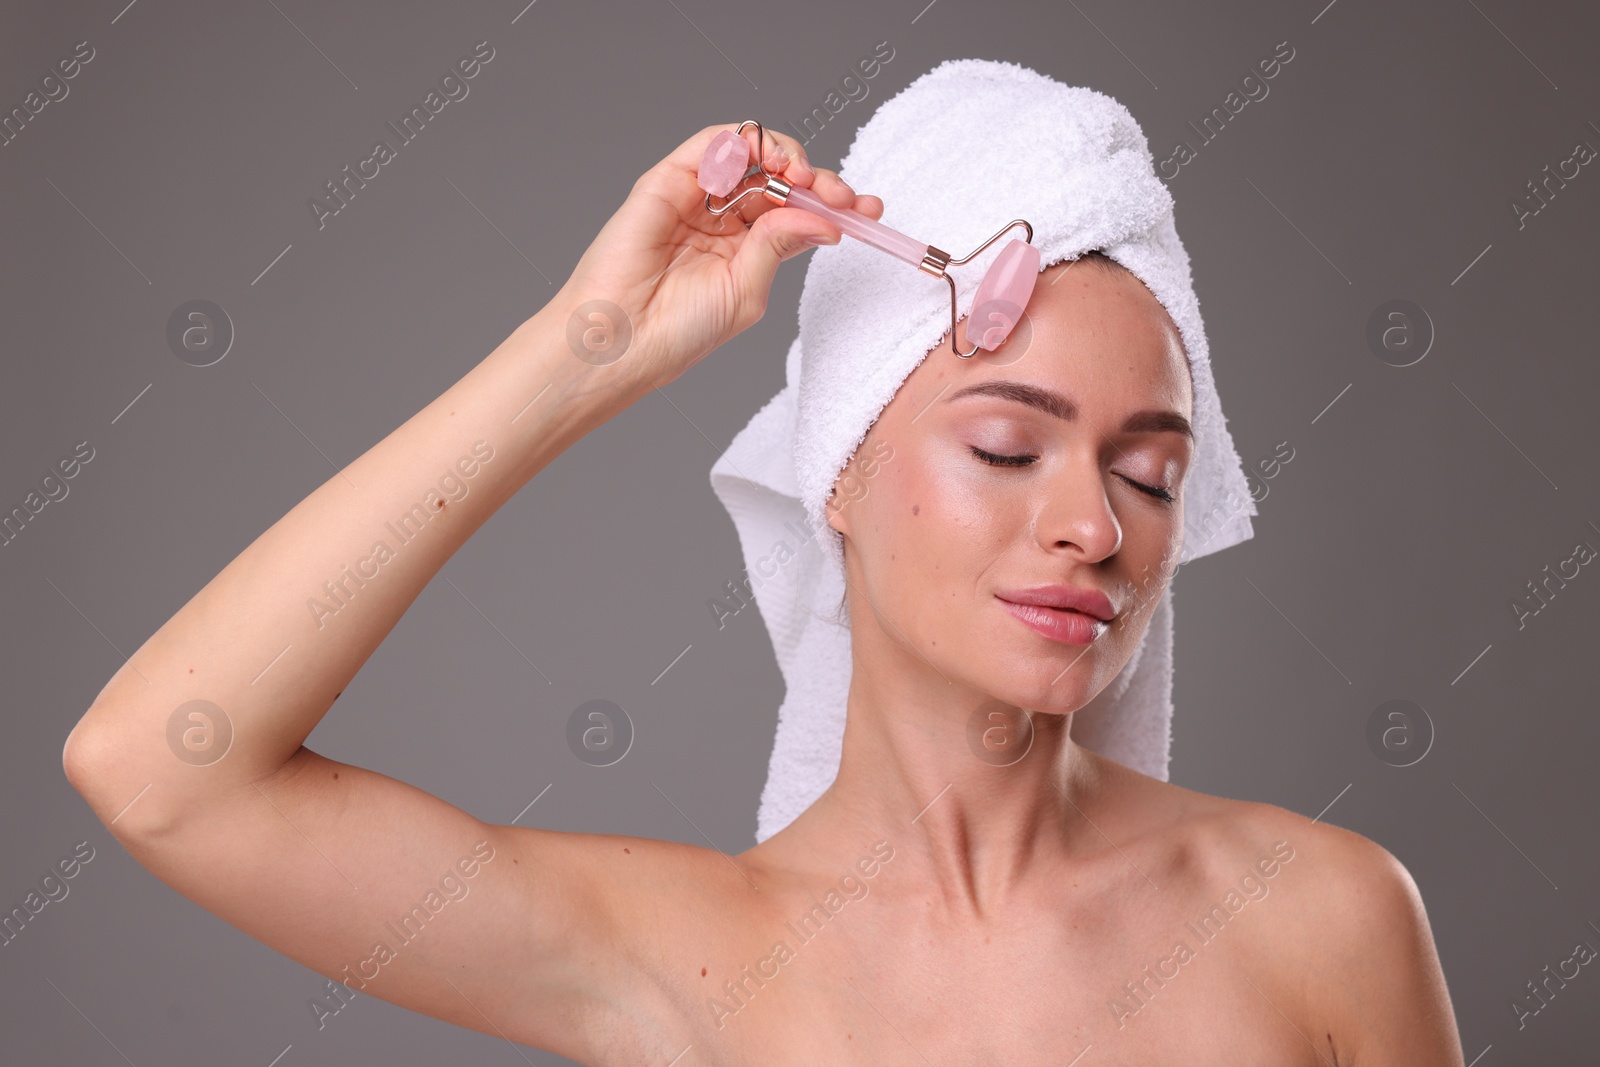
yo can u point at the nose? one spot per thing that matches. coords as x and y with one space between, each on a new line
1076 513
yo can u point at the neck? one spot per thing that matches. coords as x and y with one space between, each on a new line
976 795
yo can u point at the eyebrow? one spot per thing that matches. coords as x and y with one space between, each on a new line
1066 409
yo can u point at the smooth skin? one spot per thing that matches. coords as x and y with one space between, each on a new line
1015 901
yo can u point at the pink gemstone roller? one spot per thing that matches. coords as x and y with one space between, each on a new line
1002 295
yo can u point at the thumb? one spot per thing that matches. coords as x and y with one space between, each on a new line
777 235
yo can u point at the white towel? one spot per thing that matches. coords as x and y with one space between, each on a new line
961 151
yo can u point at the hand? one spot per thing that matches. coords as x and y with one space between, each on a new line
686 279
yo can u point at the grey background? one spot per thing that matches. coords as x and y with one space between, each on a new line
1419 502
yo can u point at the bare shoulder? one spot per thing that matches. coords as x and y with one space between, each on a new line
1349 934
1334 881
1355 876
1350 870
1348 885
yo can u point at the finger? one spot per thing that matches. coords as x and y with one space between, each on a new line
789 163
870 206
687 155
834 190
783 155
776 236
773 147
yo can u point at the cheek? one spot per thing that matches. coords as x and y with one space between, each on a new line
950 508
1154 536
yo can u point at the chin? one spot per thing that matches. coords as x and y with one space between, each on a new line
1060 679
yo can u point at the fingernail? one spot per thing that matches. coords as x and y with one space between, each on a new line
818 239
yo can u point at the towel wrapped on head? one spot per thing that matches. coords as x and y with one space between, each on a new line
961 151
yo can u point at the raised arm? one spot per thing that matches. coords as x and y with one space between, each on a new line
193 753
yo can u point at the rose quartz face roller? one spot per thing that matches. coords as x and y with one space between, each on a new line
1002 295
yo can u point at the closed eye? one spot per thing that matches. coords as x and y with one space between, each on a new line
1002 461
990 458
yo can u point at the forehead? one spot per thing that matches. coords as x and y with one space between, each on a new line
1091 329
1096 299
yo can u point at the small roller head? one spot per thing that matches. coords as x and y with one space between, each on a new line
726 159
1003 294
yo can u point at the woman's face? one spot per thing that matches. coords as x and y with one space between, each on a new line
935 532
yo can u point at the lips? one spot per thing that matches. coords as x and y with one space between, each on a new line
1058 624
1089 602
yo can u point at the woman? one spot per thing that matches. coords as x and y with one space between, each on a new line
929 907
